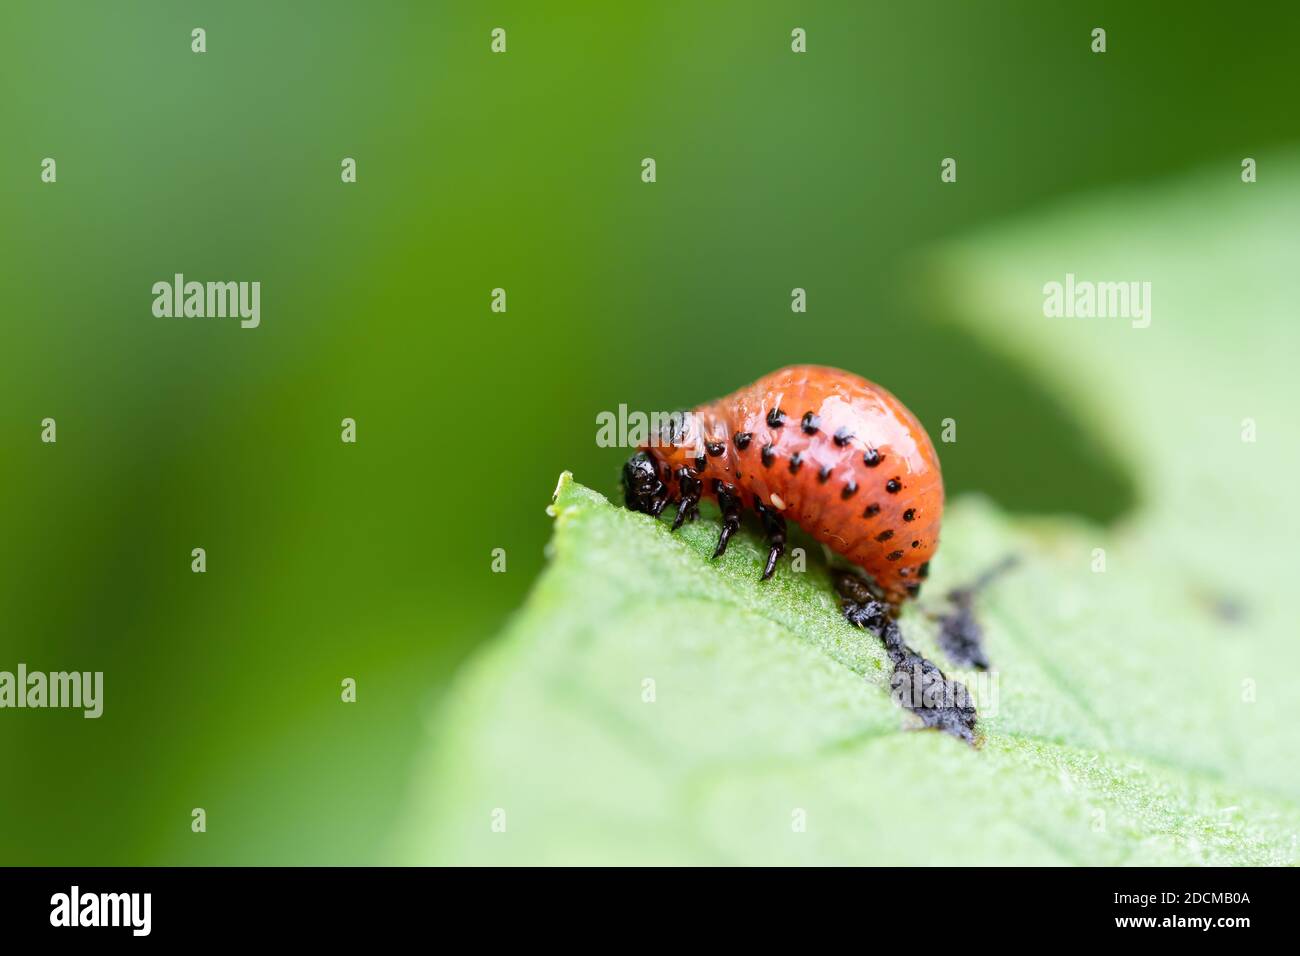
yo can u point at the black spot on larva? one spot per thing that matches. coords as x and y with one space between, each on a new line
893 555
909 514
872 511
850 489
916 544
893 486
795 461
884 536
714 448
768 455
913 589
824 474
742 440
701 463
843 436
673 431
775 418
924 570
871 458
811 423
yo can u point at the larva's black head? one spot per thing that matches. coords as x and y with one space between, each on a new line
642 489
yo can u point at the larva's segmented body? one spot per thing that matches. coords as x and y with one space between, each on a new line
819 446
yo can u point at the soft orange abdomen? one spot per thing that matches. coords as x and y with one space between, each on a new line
835 453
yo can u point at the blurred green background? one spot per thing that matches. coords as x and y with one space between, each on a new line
476 171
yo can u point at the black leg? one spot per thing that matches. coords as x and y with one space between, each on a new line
689 487
774 525
658 502
730 505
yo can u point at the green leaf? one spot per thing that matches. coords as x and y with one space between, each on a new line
1141 715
